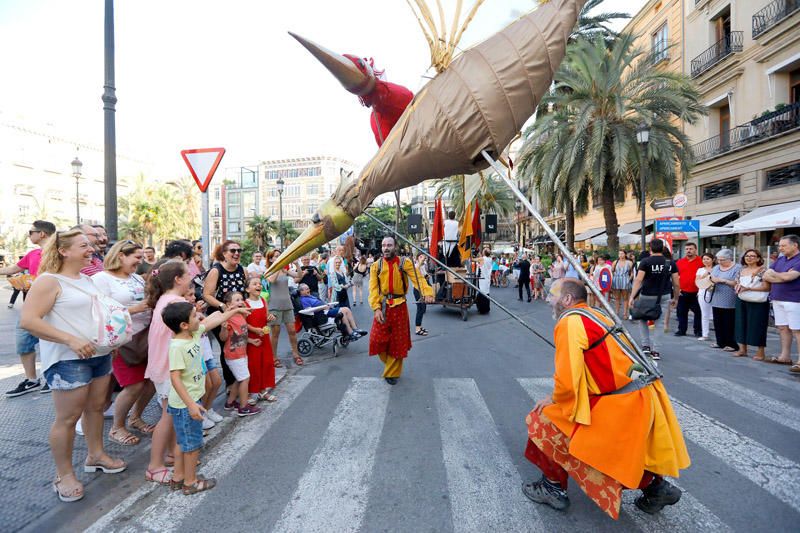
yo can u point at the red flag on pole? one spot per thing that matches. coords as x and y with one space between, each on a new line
437 232
476 225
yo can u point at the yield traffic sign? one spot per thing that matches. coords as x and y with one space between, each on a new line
203 163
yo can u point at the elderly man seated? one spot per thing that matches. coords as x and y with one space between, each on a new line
344 317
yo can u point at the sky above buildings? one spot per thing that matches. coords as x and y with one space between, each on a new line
203 73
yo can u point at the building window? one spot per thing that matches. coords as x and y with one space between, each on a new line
216 193
660 46
794 86
312 190
216 211
788 175
235 205
431 213
720 190
234 227
249 204
249 177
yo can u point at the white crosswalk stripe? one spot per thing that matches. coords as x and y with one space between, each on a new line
171 508
688 515
775 410
484 485
761 465
789 383
332 493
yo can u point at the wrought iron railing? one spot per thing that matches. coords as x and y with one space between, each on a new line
773 14
729 44
766 126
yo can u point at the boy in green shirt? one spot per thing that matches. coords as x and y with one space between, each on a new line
187 375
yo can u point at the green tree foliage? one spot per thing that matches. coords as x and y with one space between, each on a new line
260 230
156 212
587 144
493 195
367 229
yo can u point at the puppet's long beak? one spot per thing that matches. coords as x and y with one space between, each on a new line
329 222
342 68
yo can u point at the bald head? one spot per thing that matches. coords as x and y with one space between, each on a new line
574 288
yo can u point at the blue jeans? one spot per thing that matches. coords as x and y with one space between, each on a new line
75 373
26 343
188 431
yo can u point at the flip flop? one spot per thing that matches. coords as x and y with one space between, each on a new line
795 369
728 349
421 333
776 361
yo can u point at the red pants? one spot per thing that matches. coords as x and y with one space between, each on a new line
261 363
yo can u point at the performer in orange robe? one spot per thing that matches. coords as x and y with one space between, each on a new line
601 426
390 336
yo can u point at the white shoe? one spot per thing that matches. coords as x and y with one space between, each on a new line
109 413
214 416
253 399
702 338
79 428
207 422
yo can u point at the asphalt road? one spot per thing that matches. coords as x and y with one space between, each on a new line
443 450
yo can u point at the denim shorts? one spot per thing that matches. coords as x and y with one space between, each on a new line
211 364
188 431
26 343
75 373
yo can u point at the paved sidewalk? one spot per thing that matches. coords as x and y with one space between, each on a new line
26 466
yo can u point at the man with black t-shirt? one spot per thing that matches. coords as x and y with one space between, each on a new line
656 283
524 278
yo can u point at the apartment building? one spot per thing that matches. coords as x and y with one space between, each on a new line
744 56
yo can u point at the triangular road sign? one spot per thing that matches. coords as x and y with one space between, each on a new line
203 163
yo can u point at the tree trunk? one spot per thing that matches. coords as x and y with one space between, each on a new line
569 215
610 216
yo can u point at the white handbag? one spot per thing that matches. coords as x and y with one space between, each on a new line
753 296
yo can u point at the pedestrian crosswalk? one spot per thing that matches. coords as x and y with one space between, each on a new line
483 472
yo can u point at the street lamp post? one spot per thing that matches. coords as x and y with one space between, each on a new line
76 173
643 137
280 184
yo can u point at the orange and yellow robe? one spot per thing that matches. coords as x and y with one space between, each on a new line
606 443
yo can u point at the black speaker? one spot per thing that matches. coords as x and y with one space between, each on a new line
490 223
414 224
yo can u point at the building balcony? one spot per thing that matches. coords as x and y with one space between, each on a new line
733 42
773 14
777 122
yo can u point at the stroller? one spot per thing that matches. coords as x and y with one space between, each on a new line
316 331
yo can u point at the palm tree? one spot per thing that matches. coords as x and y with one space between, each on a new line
289 233
493 196
603 93
589 26
260 229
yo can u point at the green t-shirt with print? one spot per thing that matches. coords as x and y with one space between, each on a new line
185 355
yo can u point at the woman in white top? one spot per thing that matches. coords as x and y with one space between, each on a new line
77 373
485 281
704 290
120 282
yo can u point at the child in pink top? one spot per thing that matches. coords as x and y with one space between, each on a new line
167 284
234 334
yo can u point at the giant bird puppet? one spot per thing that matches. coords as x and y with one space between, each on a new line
478 103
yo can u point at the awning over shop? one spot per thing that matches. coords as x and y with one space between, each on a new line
709 220
635 227
768 218
624 239
589 233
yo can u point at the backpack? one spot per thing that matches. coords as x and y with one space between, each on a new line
111 321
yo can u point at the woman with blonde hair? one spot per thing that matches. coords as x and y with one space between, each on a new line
76 370
120 281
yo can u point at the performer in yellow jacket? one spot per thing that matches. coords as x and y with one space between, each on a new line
602 426
390 337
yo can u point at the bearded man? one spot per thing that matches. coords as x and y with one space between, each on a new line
390 337
607 425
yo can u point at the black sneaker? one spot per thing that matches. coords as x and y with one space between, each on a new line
543 491
24 387
45 388
679 334
658 495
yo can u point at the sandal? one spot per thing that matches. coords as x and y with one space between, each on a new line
169 461
795 369
421 333
127 438
199 486
299 361
162 476
72 496
141 426
757 358
729 349
106 468
267 397
176 484
778 361
278 363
